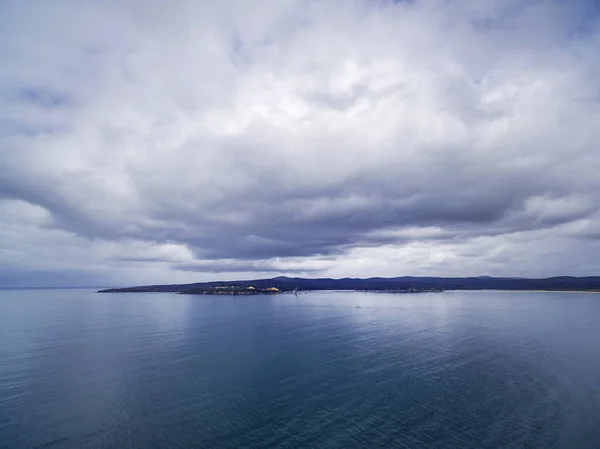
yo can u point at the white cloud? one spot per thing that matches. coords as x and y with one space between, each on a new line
379 138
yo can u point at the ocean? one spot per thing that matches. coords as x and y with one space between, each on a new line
318 370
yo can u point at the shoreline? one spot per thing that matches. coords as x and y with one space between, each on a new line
406 284
288 292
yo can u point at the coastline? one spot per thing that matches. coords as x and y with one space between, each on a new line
406 284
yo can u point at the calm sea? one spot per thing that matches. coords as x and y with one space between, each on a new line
320 370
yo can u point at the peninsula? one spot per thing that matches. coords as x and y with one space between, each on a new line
406 284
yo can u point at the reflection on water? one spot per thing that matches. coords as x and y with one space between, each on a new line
328 369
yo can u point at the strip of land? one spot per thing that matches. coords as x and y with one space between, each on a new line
406 284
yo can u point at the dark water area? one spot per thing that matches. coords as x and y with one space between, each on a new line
321 370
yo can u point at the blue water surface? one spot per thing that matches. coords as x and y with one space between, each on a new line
318 370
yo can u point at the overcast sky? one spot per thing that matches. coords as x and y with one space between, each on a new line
145 141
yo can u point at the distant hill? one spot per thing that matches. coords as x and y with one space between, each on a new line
406 283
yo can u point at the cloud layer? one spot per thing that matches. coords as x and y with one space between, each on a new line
141 142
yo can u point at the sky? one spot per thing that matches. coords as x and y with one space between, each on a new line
144 141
